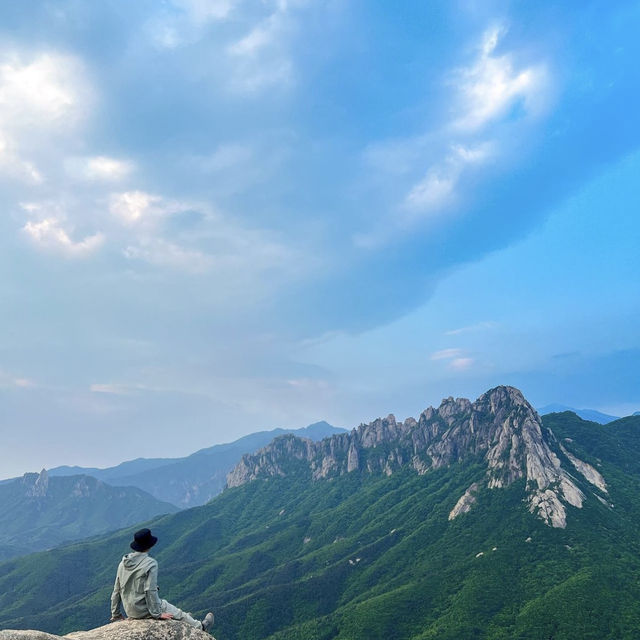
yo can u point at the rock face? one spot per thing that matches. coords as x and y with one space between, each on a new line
36 484
465 503
500 427
124 630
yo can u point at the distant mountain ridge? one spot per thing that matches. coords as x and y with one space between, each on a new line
40 512
195 479
500 427
585 414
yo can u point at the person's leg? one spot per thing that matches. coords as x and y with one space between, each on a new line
179 614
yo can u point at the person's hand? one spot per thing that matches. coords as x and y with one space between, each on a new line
166 616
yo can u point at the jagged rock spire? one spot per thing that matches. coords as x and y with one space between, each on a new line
37 484
501 426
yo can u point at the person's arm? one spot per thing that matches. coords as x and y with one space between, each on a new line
151 593
115 601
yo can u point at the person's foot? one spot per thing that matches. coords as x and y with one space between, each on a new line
207 623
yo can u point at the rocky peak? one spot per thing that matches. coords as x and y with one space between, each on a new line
503 397
450 408
36 484
500 427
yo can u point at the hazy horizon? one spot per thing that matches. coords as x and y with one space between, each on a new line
81 464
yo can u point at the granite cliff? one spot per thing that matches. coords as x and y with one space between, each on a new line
500 428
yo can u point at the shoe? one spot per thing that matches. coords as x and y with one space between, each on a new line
207 623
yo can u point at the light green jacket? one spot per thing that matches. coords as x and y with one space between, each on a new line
136 587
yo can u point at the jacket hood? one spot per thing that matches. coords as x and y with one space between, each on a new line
136 559
135 563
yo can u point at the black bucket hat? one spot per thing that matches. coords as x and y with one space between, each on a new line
143 540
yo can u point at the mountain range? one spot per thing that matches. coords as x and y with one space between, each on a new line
586 414
40 512
475 520
194 479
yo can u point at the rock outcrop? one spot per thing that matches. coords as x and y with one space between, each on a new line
36 484
123 630
465 503
500 427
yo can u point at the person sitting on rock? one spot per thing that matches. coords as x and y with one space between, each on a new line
136 587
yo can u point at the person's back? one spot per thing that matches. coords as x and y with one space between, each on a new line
136 587
133 580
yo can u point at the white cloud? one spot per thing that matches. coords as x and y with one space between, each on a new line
99 168
15 167
46 230
480 326
251 78
259 38
133 207
42 91
437 190
487 91
49 234
461 364
113 389
156 234
24 383
9 381
142 211
202 11
445 354
456 359
434 196
225 156
434 191
234 253
162 253
491 86
311 384
42 97
216 243
185 21
261 57
467 155
254 46
268 33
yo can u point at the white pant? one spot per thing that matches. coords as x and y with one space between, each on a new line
179 614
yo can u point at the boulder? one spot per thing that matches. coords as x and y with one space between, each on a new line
123 630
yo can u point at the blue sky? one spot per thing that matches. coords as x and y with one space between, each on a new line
222 216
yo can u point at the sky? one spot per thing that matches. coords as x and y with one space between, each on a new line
223 216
